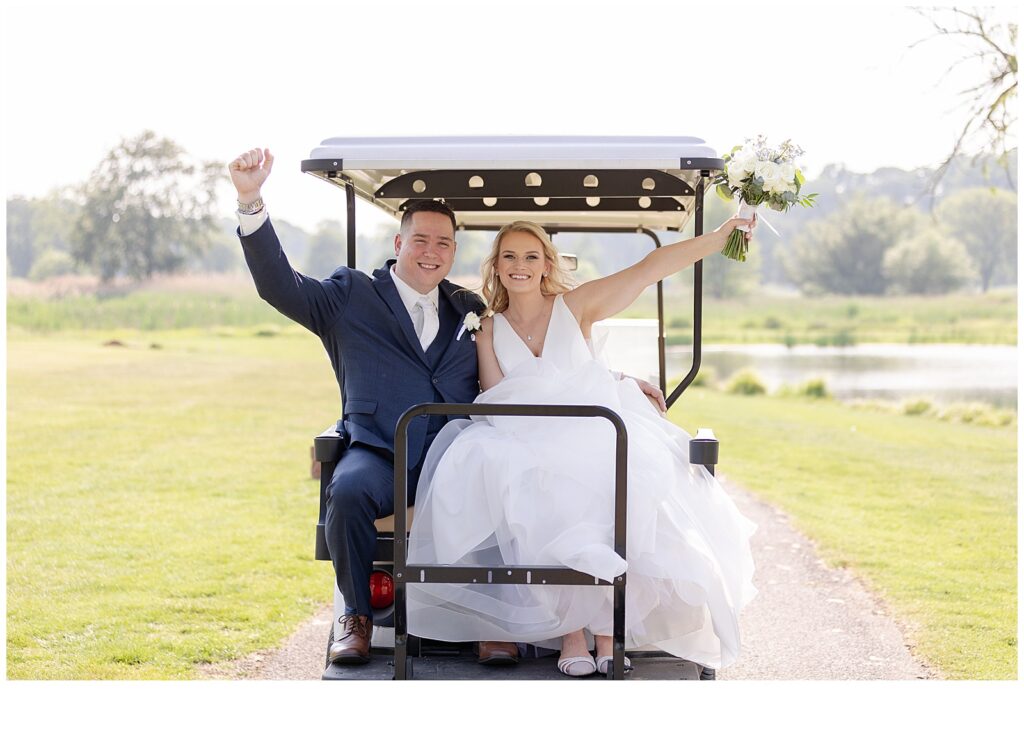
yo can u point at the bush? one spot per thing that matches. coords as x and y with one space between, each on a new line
813 388
745 382
772 323
977 413
51 263
917 406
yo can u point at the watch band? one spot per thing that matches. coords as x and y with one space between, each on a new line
251 208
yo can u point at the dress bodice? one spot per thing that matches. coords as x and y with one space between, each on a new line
564 345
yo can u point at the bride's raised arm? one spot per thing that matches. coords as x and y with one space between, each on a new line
605 297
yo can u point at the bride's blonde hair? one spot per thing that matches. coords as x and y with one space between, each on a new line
556 282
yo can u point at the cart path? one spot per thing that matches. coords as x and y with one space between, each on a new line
808 621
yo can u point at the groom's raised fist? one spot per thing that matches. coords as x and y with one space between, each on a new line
249 171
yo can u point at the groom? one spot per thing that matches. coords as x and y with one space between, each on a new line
395 339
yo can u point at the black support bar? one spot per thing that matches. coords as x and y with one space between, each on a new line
468 575
528 183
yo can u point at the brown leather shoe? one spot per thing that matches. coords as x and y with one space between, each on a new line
497 653
352 640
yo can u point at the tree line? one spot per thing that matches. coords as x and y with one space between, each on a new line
149 208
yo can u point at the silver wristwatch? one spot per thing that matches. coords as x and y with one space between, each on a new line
251 208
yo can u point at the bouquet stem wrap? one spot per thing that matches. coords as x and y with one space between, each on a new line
736 245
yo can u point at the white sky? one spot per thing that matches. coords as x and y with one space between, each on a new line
221 78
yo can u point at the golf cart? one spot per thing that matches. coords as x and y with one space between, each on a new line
567 185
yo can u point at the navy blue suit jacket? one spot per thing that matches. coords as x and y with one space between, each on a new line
371 341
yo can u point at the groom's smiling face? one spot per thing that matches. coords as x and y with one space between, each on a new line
425 248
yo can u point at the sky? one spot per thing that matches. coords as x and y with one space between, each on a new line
220 78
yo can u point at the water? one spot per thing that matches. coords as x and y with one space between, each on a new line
943 373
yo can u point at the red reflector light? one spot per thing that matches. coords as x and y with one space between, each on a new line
382 590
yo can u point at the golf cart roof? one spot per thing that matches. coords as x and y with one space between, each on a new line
557 181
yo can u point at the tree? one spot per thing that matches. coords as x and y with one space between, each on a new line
992 41
36 226
929 262
985 220
20 245
326 249
844 253
145 209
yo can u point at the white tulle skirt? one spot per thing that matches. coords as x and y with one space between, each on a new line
540 491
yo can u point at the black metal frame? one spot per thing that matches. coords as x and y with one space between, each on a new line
521 574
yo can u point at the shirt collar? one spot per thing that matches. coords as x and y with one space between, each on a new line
408 294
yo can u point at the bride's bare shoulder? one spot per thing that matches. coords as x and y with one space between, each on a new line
573 301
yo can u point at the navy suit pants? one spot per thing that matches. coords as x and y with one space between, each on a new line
361 491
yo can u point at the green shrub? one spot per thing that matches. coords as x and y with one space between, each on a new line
745 382
51 263
679 322
772 323
917 406
813 388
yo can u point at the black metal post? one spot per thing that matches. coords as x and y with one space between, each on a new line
350 222
698 289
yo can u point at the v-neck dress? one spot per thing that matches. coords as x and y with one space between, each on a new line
539 491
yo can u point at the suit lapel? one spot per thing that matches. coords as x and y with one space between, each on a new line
450 291
385 287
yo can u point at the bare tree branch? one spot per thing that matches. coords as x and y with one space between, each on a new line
988 103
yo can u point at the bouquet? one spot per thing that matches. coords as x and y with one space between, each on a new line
759 174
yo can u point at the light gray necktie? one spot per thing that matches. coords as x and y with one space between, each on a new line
425 321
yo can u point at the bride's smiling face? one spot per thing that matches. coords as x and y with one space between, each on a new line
521 263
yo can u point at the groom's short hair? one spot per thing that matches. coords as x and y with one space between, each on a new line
426 206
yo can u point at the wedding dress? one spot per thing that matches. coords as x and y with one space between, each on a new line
539 491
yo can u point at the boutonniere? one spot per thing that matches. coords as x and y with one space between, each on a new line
470 323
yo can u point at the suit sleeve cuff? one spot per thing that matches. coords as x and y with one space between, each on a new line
249 224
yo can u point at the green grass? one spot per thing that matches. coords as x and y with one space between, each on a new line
160 512
835 320
990 318
925 510
148 311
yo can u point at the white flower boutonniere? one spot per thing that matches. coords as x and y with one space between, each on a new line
470 323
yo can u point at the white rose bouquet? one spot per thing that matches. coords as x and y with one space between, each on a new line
760 175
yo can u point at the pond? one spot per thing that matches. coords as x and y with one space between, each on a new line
942 372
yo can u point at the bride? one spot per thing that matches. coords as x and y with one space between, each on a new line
539 491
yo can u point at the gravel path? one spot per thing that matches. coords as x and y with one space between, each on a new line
808 621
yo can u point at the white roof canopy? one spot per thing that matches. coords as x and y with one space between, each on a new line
568 181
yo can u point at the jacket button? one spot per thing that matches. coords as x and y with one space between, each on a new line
435 380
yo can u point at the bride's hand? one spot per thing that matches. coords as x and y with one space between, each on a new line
728 226
654 394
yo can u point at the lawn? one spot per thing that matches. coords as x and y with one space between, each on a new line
160 513
925 511
846 320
